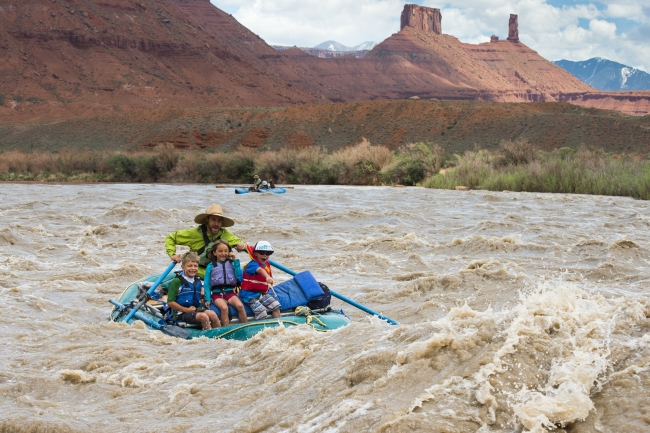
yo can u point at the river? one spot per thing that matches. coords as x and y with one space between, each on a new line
518 312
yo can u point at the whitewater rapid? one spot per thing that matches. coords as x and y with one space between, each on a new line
518 312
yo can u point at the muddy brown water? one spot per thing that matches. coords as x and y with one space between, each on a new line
518 312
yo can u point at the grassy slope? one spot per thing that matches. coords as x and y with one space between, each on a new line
455 125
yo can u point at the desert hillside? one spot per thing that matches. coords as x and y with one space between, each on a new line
454 125
86 57
62 60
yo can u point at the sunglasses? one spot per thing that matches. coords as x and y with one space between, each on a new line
264 253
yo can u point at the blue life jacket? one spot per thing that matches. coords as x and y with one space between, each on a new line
223 276
189 295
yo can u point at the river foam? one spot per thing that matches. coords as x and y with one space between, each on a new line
518 311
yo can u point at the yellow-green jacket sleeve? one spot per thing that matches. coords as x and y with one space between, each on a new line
182 237
193 238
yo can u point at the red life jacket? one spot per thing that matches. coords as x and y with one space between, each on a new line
257 282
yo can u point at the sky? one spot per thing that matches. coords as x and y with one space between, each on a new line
617 30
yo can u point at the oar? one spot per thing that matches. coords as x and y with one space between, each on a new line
174 331
143 298
341 297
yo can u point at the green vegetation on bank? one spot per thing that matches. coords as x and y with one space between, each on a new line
514 166
518 166
361 164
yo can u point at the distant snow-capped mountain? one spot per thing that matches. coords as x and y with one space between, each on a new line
604 74
369 45
335 46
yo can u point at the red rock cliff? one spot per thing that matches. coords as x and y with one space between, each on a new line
422 18
513 28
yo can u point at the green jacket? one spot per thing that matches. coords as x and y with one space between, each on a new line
193 238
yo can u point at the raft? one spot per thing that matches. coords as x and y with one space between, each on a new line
296 292
279 190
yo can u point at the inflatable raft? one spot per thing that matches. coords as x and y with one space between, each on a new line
300 291
261 190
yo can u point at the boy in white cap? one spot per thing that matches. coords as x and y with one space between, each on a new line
258 278
199 239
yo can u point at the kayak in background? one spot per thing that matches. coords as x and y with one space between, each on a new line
271 190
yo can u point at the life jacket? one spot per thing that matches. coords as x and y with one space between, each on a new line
207 244
223 276
257 282
189 295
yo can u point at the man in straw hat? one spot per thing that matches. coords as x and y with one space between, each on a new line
257 182
199 239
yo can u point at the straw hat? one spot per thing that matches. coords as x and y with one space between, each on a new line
215 209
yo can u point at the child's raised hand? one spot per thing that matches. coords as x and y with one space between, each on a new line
232 255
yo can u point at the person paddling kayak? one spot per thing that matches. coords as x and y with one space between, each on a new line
257 182
211 227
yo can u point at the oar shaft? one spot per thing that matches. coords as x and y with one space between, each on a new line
341 297
282 268
363 307
150 291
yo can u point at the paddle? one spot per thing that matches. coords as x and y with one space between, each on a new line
174 331
341 297
145 296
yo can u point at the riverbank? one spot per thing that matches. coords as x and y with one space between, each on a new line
519 167
361 164
514 166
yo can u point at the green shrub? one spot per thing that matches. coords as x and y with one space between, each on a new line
405 171
239 168
146 169
414 163
122 167
560 171
208 170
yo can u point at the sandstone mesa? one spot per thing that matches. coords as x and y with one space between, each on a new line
63 59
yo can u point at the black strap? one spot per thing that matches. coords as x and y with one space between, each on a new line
222 288
206 241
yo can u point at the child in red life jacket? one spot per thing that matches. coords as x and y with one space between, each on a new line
257 280
185 295
223 280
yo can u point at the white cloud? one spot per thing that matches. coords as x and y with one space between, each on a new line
554 32
632 12
310 22
602 29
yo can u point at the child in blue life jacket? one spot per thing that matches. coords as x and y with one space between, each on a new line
222 282
258 278
185 295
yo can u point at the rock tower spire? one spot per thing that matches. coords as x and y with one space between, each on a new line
513 28
423 18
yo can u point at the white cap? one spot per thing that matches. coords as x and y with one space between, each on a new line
263 246
264 183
